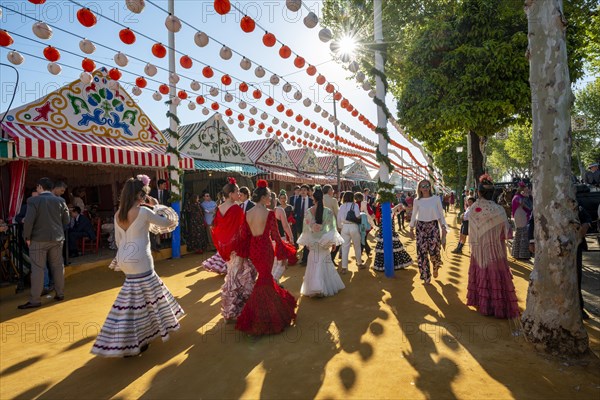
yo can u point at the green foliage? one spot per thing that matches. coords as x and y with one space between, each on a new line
587 104
511 156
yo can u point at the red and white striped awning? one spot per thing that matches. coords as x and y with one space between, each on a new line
35 142
284 175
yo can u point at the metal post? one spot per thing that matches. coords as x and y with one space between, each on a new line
402 160
337 158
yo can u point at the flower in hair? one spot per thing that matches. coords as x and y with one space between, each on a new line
317 187
521 184
262 183
282 192
144 178
485 179
232 180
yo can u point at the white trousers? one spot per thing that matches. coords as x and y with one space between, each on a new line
350 232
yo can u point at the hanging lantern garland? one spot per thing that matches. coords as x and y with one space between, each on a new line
175 197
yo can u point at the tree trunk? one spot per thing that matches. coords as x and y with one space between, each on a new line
469 180
476 158
552 318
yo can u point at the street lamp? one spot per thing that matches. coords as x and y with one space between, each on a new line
459 197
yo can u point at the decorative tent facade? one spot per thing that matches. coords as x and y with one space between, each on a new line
308 163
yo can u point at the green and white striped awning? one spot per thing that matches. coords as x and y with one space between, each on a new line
218 166
7 149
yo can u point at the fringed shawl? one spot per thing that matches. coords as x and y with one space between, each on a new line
488 228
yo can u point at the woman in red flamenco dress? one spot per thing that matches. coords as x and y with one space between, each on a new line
270 308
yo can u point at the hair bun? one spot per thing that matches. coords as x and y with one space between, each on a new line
262 183
232 180
282 192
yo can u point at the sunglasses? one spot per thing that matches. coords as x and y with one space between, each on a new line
425 186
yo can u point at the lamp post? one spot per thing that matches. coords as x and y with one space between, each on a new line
459 149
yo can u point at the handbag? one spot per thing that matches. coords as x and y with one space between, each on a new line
351 216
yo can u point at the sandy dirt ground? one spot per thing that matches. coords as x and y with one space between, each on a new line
378 338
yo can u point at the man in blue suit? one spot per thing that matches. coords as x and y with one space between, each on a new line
302 204
82 227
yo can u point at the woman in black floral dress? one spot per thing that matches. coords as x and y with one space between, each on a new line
196 233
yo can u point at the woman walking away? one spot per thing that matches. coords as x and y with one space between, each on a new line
521 212
427 217
490 289
144 309
284 214
320 235
349 218
196 238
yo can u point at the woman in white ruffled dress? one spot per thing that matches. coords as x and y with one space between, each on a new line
320 235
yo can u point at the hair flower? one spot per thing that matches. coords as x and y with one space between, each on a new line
478 209
232 180
262 183
144 178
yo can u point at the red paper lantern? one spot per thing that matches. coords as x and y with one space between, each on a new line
269 101
37 1
310 145
331 135
320 129
311 70
222 7
350 107
241 117
243 87
182 94
164 89
127 36
115 74
52 54
285 52
278 133
299 62
88 65
289 112
158 50
214 106
299 118
286 135
270 129
186 62
5 39
280 108
226 80
200 100
247 24
361 117
321 79
261 125
208 72
298 140
257 94
140 82
313 125
228 112
337 96
344 103
329 88
306 122
251 122
304 142
86 17
354 113
269 39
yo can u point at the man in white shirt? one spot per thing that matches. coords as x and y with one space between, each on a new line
245 201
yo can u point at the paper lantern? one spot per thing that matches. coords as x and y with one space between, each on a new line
311 20
313 125
200 100
307 102
274 79
52 54
226 80
15 58
222 7
37 1
324 114
114 74
228 97
321 79
280 107
191 106
186 62
299 62
195 86
299 118
150 70
225 53
88 65
269 101
329 88
173 78
350 107
337 96
228 112
287 87
275 121
176 101
306 122
354 113
261 126
201 39
360 76
289 113
293 5
353 67
173 23
264 116
284 125
344 103
140 81
42 30
311 70
182 94
245 64
317 108
366 86
259 72
158 50
251 122
86 17
214 106
325 35
135 6
247 24
85 77
127 36
214 92
87 46
121 59
320 129
5 39
136 90
372 94
243 87
207 72
54 68
253 110
205 111
285 52
164 88
269 39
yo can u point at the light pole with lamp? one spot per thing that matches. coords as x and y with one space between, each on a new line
459 200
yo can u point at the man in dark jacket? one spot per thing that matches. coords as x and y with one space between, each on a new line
82 227
302 204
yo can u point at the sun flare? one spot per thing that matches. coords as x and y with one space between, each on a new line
347 45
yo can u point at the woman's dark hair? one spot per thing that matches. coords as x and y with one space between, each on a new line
228 189
358 196
348 197
133 191
318 196
486 187
259 193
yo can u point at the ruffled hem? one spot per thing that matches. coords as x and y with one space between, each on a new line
492 291
286 251
331 238
215 264
321 278
269 310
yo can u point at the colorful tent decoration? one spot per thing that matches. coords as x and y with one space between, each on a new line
307 162
357 172
270 156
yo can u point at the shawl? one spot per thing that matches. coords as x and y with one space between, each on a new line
487 230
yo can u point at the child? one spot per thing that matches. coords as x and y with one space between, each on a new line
464 227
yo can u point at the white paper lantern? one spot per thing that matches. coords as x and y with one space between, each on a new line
201 39
306 135
311 20
157 96
336 122
331 119
136 90
287 87
195 86
360 77
86 78
87 46
298 95
345 57
287 141
312 138
113 85
173 78
264 116
228 97
292 128
191 106
135 6
353 67
372 93
274 80
250 129
205 111
307 102
267 135
259 72
324 114
259 131
241 125
214 92
176 101
230 121
242 104
150 70
284 125
245 64
225 53
325 35
121 59
318 140
54 68
218 117
366 86
173 23
317 108
15 58
275 121
253 110
293 5
42 30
